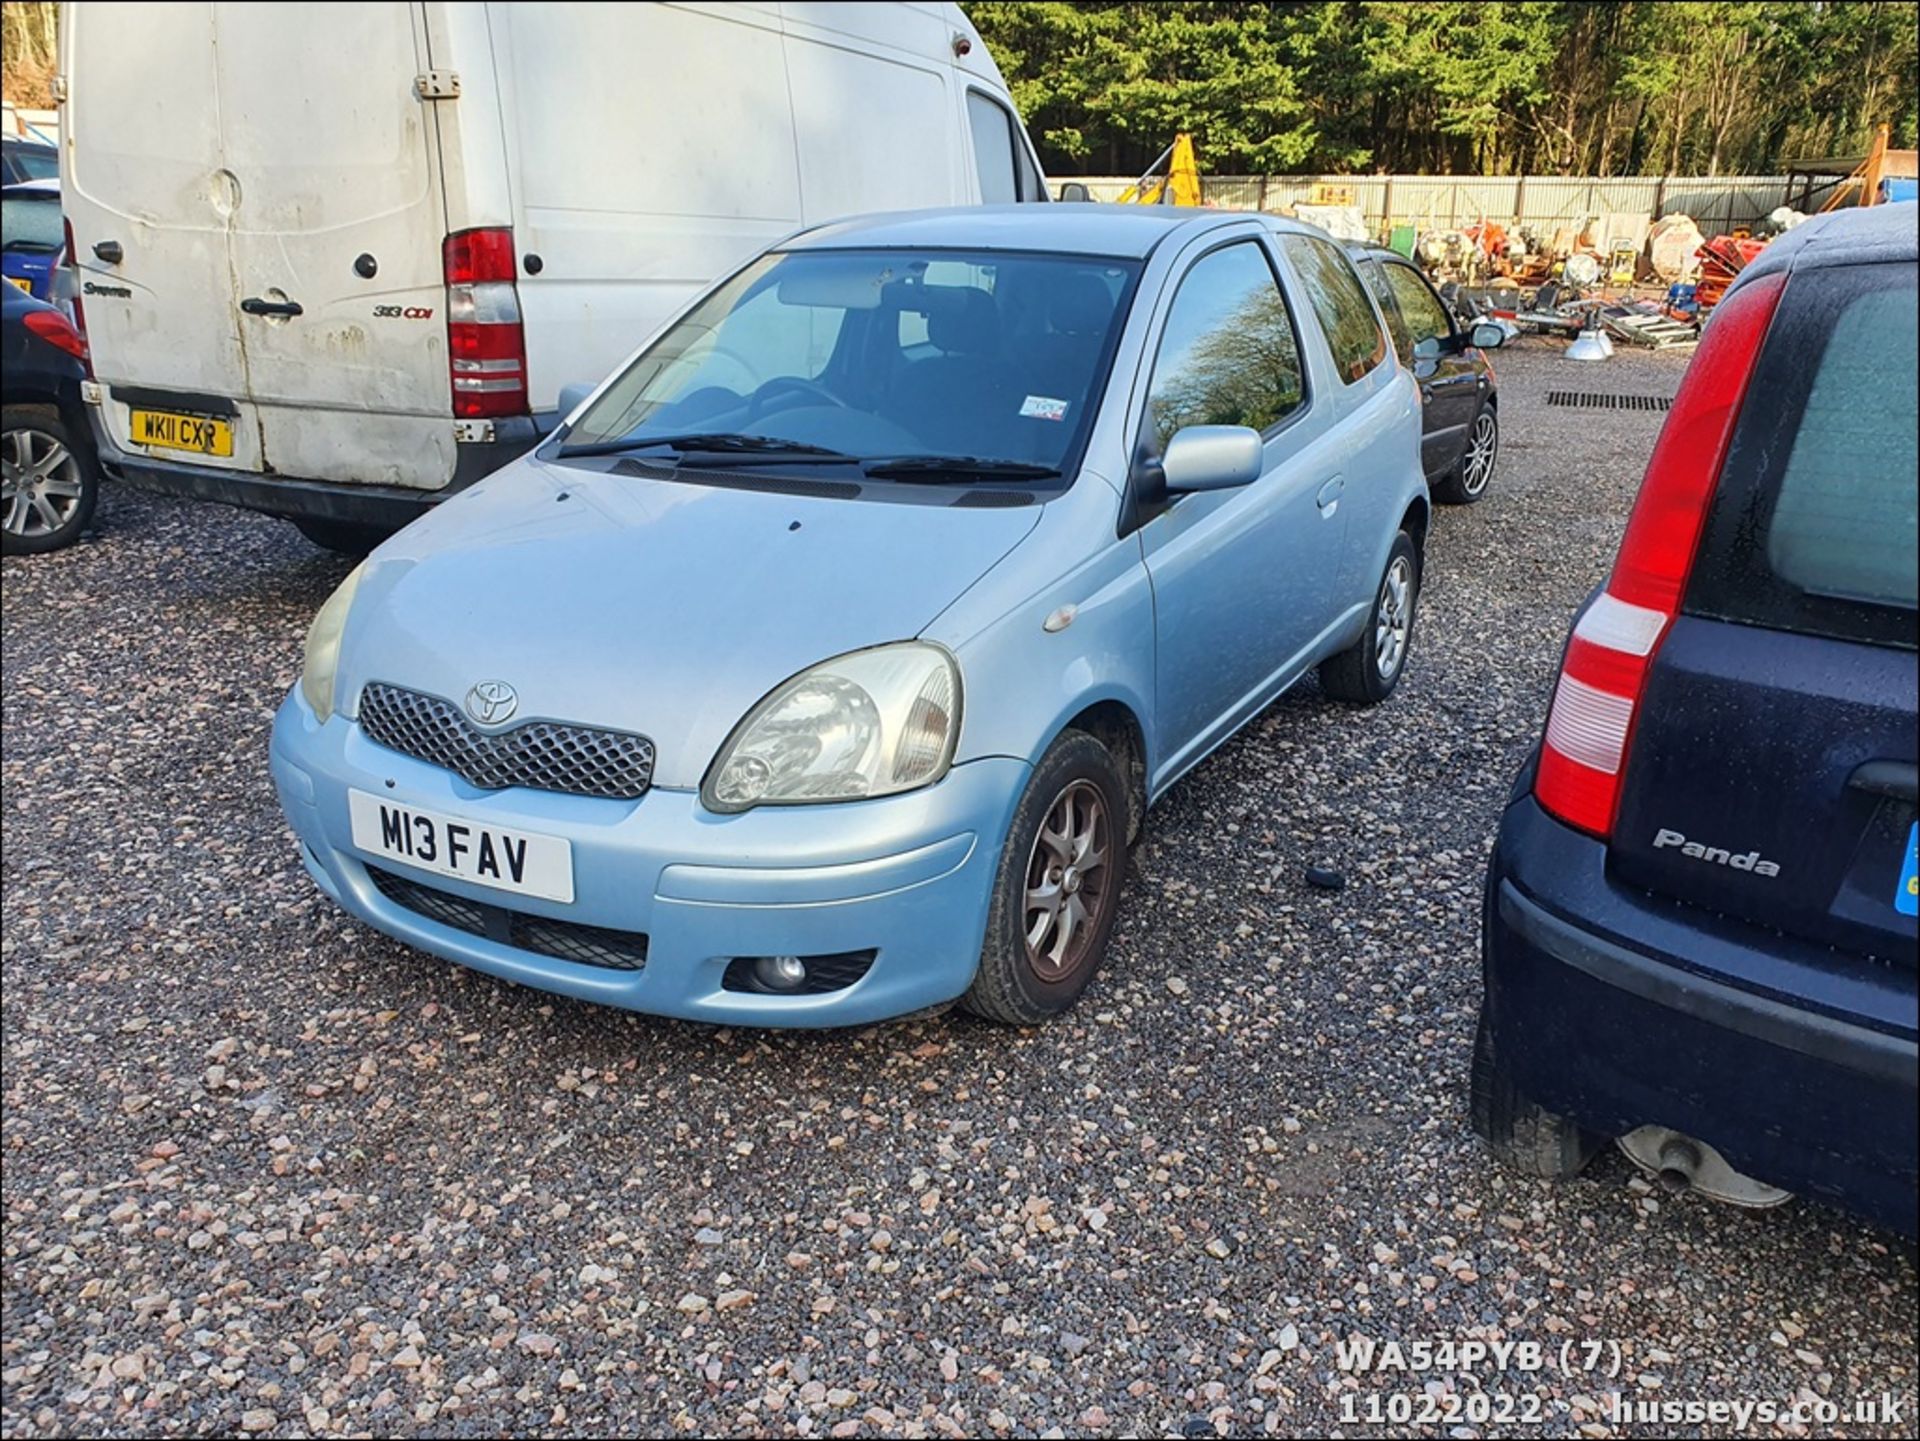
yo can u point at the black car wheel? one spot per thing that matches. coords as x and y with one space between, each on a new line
1524 1137
1469 479
50 485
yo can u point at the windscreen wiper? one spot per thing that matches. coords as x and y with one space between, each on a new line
937 469
713 442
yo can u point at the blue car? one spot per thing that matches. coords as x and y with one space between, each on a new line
1700 920
33 236
822 666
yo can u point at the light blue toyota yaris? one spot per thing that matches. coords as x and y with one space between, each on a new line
822 666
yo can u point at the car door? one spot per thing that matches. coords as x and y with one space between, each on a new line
1443 363
1242 579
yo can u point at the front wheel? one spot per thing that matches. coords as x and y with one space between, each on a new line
1468 480
1057 889
50 482
1366 672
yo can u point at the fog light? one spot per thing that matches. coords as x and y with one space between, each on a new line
780 973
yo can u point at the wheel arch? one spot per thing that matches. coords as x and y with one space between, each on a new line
1113 723
1416 520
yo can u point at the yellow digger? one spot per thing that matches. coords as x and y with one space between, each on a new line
1179 185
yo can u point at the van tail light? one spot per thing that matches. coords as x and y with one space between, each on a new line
54 328
73 285
1590 724
486 343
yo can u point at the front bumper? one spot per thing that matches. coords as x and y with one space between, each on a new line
379 507
908 877
1620 1009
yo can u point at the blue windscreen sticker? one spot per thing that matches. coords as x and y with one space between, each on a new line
1906 900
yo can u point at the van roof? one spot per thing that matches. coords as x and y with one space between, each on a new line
1071 227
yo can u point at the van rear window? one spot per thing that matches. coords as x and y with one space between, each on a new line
1814 527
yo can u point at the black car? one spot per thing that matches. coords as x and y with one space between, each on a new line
51 477
1699 934
27 160
1460 406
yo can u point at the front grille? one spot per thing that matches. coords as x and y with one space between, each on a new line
1607 400
562 940
541 755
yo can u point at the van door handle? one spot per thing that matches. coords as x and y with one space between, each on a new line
1897 780
1328 498
254 305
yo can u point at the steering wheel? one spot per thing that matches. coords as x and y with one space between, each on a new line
780 384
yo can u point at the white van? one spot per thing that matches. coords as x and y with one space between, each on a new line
337 261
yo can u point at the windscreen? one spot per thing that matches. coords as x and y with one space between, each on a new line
884 353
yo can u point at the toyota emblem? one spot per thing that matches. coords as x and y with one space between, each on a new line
492 701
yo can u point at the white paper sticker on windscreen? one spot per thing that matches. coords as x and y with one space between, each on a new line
1043 407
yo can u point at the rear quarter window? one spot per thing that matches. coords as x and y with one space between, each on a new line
1339 303
1814 526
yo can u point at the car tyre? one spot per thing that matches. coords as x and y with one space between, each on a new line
1366 672
1526 1138
341 536
51 481
1057 889
1468 480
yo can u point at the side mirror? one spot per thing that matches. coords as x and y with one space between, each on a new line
572 395
1212 457
1074 190
1427 348
1487 336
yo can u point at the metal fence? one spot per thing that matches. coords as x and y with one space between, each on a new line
1716 203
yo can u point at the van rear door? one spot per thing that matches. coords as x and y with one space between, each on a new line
286 257
1771 774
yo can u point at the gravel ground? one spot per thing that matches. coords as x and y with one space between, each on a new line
268 1171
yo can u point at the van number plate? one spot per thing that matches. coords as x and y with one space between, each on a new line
201 434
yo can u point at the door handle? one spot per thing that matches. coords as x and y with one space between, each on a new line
1329 494
254 305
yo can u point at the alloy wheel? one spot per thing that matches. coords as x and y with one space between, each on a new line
1393 619
40 483
1069 882
1477 469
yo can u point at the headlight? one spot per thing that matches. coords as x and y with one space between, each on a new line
872 723
323 646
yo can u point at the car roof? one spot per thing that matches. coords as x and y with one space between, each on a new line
1859 236
1068 227
21 142
47 188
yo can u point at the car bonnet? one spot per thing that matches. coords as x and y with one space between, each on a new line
658 606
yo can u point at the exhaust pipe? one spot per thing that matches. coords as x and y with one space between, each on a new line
1679 1163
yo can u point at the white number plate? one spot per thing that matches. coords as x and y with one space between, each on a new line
486 855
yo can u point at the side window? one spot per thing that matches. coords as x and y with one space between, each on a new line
1426 318
1376 279
1228 354
993 149
1340 304
1032 187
